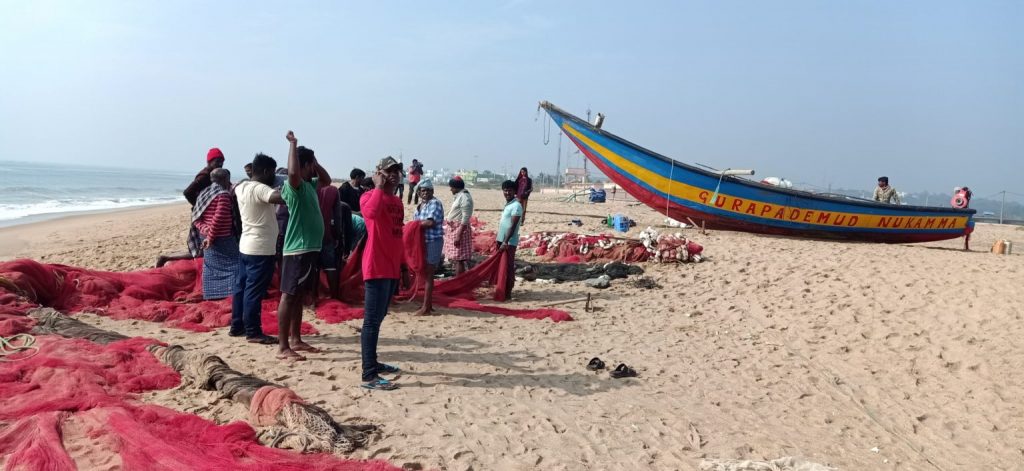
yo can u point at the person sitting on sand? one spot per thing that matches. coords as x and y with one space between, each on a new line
381 264
258 246
458 233
524 186
430 213
885 193
214 159
303 240
213 219
508 228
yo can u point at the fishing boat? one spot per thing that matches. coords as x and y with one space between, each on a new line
723 200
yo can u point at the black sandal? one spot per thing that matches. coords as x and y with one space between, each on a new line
595 364
622 371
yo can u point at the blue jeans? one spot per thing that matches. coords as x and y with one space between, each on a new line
254 275
378 298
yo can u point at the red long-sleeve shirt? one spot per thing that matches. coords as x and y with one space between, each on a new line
216 219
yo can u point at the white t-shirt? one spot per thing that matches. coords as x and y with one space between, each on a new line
259 218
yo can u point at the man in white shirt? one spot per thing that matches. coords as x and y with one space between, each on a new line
257 206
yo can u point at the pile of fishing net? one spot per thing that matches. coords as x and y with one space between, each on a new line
74 405
569 247
171 295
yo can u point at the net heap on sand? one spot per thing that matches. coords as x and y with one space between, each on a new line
74 405
569 247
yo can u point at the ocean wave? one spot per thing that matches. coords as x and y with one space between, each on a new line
10 212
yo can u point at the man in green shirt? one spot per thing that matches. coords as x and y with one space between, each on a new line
302 242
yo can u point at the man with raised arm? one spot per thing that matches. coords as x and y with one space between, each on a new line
303 239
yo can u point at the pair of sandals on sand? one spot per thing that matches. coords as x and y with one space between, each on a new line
381 384
621 371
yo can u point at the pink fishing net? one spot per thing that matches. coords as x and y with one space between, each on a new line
81 396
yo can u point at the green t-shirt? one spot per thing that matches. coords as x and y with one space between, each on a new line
305 231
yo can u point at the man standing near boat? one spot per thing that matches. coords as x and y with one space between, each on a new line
885 193
508 228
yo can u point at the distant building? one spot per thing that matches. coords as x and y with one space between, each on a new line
575 175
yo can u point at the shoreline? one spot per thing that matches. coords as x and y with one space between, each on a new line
46 217
78 230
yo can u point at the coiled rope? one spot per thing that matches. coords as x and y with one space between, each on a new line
11 346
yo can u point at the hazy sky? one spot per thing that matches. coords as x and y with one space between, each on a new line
823 92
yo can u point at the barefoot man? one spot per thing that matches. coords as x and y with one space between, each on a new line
430 214
382 265
302 242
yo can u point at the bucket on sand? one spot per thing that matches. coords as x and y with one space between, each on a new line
1002 247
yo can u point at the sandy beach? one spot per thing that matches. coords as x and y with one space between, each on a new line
854 355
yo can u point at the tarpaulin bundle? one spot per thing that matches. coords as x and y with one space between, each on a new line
73 406
568 247
171 295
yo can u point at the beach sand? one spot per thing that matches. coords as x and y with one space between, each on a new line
860 356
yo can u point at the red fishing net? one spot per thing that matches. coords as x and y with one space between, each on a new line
171 295
73 406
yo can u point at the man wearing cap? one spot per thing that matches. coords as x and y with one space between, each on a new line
430 213
885 193
214 159
381 264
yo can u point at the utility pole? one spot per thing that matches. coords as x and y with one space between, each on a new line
1003 203
558 165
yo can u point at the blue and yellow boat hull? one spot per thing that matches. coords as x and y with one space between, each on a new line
682 191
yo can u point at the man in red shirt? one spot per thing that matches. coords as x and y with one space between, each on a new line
415 174
381 264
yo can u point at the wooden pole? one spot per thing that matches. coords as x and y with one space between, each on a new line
567 301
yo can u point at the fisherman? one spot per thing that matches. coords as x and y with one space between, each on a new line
381 264
430 213
258 247
415 175
508 227
333 238
885 193
458 234
302 243
524 186
213 219
214 159
351 190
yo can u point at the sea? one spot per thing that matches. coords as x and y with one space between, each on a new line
32 191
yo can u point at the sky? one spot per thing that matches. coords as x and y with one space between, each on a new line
929 93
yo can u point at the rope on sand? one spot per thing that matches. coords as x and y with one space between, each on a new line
14 345
293 423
